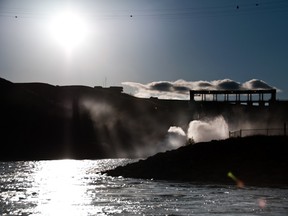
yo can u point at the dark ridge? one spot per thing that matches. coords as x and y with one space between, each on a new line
5 83
256 160
43 121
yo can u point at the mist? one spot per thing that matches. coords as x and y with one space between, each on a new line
207 130
145 133
175 138
198 131
136 142
126 134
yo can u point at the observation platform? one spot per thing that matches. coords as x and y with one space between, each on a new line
248 97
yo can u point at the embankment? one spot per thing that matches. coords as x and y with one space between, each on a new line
257 160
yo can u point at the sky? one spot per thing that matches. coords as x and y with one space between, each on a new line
140 43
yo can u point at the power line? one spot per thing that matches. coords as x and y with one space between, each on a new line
162 13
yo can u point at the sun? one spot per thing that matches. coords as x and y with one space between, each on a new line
68 29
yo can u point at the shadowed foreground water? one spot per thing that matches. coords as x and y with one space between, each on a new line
75 187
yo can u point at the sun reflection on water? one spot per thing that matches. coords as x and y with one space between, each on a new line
75 187
60 189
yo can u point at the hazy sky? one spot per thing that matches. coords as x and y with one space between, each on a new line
108 42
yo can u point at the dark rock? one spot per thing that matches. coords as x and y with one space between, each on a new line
257 160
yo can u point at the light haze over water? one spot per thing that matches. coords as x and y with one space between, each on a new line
75 187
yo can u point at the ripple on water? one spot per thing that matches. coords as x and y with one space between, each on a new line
71 187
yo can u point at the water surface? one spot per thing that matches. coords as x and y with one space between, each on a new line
75 187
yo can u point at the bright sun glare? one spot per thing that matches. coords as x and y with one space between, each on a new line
60 190
68 29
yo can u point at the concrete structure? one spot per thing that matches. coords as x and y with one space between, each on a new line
235 96
115 89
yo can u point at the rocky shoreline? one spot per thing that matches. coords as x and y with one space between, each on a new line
255 161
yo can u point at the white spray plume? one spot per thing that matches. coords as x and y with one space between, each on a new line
213 129
176 130
198 131
175 138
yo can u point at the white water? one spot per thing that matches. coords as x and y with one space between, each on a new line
74 187
207 130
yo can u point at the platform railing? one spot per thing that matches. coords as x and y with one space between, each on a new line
257 131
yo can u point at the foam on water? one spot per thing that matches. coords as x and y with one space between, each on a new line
71 187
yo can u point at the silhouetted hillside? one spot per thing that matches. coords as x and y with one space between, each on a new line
42 121
257 160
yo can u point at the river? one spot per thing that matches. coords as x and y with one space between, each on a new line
75 187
